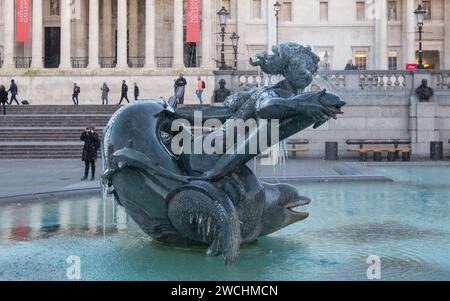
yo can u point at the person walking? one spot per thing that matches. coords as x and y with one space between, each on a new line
76 92
136 92
201 86
180 86
3 98
124 94
90 149
14 91
105 92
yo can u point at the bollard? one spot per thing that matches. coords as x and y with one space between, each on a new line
331 150
436 150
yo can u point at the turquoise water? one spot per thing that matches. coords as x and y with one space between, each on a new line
406 223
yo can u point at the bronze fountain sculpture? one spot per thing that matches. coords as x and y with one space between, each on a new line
214 199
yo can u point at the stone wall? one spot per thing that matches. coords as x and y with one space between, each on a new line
55 87
380 105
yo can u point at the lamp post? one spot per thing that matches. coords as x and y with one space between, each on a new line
235 41
420 14
277 9
223 17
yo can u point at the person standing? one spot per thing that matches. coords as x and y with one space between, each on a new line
350 66
180 88
76 92
201 86
14 91
136 92
124 94
105 92
90 149
3 98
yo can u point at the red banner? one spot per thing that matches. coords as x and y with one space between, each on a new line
193 21
22 21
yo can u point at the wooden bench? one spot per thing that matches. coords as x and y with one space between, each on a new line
393 153
294 146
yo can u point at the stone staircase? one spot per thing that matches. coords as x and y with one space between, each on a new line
36 132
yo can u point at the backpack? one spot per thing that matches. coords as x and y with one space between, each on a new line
203 85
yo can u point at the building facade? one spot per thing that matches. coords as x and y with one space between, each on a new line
142 38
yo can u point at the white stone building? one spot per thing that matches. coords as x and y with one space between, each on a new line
90 41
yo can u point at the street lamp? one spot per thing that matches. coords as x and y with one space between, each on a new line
277 9
223 17
420 14
234 42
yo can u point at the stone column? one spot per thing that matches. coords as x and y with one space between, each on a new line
122 55
447 35
133 28
8 38
93 34
381 36
207 35
107 29
36 50
410 56
150 35
178 40
65 62
271 25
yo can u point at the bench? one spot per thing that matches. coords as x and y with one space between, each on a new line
294 146
393 153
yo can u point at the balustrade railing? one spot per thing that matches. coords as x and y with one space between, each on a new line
108 62
136 62
443 80
164 61
79 62
22 62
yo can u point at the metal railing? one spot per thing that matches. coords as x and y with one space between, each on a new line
164 61
79 62
108 62
22 62
136 62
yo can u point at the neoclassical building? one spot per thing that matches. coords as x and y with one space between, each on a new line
147 37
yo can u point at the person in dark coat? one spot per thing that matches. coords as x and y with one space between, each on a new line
136 92
105 92
3 98
350 66
14 91
90 149
180 85
124 94
76 92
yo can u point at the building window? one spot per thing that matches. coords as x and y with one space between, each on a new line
324 11
427 6
392 60
392 11
286 11
360 11
325 59
256 9
361 59
54 8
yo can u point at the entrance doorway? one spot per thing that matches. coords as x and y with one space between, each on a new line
430 59
52 47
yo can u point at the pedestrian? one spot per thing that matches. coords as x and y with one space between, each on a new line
76 92
105 92
3 98
14 91
136 92
201 86
180 86
350 65
124 94
90 149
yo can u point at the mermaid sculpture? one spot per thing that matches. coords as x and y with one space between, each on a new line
213 199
